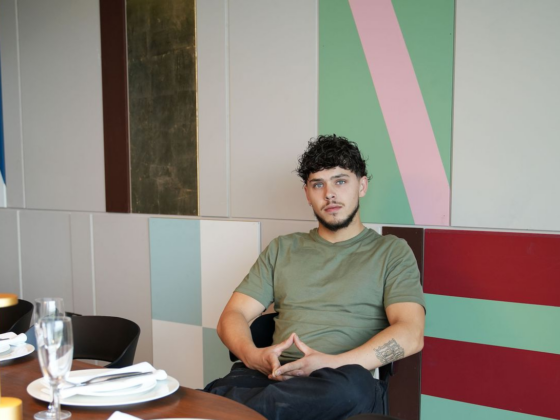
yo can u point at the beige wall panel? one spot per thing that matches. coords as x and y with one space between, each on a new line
46 257
506 140
271 229
9 252
59 43
82 263
273 104
213 134
11 103
122 273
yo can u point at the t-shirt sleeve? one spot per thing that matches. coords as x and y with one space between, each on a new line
402 281
259 283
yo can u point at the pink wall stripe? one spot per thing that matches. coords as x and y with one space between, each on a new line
404 111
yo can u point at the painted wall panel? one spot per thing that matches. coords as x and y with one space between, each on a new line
59 45
9 252
213 107
273 109
506 127
11 103
82 263
46 256
122 273
271 229
216 356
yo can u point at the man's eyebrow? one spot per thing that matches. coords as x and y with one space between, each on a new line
332 177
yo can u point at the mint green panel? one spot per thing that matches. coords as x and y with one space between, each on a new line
433 408
428 28
492 322
175 270
216 356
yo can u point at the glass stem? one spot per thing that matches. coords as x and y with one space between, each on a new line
56 401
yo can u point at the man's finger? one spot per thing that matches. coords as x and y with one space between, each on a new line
301 345
286 344
287 368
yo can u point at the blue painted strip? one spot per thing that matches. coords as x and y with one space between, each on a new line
215 355
175 270
433 408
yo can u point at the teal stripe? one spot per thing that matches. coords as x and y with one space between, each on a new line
433 408
175 270
505 324
216 356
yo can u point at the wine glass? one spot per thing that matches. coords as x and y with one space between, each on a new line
55 347
47 307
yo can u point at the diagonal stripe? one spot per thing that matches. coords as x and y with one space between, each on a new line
434 408
506 266
499 377
404 111
495 323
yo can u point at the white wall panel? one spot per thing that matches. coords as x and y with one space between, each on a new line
9 252
273 104
122 273
271 229
227 252
82 263
59 43
213 134
506 141
11 103
46 258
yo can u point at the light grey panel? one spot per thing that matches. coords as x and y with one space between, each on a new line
271 229
46 260
213 150
506 140
9 252
82 263
122 273
60 60
273 104
11 104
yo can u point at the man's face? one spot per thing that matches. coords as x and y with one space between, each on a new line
334 195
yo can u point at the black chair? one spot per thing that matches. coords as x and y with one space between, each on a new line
107 338
262 330
16 318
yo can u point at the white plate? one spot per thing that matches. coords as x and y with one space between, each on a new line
136 389
162 389
17 351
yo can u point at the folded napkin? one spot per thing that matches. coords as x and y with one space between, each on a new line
117 415
13 339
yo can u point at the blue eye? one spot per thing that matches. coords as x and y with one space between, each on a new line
341 181
318 185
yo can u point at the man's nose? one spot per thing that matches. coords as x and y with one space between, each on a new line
329 194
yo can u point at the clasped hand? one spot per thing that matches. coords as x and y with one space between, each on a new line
266 360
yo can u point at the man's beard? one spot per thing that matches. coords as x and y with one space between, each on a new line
333 227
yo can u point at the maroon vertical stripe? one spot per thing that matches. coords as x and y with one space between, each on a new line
500 377
404 386
115 105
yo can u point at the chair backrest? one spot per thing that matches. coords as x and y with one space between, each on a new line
17 318
106 338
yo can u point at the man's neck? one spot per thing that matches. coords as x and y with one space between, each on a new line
355 228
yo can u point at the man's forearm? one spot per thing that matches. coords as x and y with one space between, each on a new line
235 333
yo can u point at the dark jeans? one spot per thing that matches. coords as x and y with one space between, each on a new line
327 394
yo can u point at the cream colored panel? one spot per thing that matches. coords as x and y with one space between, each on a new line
273 104
11 103
122 273
506 140
9 252
227 252
82 263
213 135
273 228
60 58
46 257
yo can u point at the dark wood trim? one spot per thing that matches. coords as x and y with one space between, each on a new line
115 105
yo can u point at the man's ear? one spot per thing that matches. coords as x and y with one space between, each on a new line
363 186
306 193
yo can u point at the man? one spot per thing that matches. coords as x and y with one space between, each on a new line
348 301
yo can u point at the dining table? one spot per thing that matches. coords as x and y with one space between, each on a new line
17 374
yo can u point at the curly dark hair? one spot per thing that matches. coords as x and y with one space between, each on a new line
326 152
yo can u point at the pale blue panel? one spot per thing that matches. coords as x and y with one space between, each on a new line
175 270
433 408
216 356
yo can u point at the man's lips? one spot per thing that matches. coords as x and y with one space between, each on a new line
332 208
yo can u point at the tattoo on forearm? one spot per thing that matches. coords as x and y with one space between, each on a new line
389 352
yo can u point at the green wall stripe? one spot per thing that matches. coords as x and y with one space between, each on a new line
504 324
216 356
175 270
433 408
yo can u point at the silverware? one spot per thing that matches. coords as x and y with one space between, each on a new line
107 378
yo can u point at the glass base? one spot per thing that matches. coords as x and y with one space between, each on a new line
51 415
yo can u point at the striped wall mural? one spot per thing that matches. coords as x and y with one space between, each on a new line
195 266
385 81
492 347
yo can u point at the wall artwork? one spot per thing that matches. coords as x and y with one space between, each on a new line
162 106
385 82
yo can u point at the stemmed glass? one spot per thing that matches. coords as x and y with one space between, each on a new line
55 347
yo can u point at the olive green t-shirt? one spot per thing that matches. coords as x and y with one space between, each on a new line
333 295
